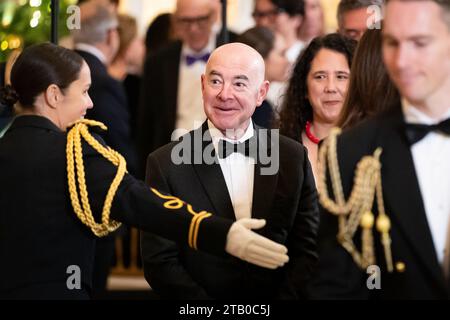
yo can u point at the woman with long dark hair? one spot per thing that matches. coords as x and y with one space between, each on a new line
316 91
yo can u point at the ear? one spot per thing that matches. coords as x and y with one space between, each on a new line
298 21
202 80
53 96
262 92
113 41
112 35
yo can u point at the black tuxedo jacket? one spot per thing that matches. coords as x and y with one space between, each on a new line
287 200
412 243
110 108
40 235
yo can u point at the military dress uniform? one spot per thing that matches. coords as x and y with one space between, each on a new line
41 237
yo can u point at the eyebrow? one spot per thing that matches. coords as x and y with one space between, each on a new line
238 77
241 77
326 72
215 73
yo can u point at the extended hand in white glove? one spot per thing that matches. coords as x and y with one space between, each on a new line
247 245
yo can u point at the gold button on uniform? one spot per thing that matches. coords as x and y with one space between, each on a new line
400 266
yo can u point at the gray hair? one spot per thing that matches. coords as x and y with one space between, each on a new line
349 5
94 27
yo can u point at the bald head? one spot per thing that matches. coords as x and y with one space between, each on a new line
238 54
233 86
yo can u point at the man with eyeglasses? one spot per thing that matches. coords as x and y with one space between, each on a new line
171 96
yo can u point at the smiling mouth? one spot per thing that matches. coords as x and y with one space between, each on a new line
227 110
332 103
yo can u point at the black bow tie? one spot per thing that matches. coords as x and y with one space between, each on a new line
226 148
416 132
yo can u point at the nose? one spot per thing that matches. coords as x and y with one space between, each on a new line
225 92
90 104
263 22
401 56
193 27
330 86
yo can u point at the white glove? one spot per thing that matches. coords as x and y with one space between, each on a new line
249 246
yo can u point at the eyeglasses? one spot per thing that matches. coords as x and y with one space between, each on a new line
271 14
201 21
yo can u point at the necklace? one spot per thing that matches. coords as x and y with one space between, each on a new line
309 134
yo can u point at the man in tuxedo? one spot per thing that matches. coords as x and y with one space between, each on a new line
415 166
239 171
171 95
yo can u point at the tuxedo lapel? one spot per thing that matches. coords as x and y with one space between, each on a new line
401 192
264 186
211 177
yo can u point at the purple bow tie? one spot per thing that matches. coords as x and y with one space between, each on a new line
190 60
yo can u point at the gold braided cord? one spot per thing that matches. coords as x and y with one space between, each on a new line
174 203
357 210
76 173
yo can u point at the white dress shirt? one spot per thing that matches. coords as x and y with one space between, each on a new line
190 113
431 156
238 171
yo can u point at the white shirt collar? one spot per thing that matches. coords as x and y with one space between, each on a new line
217 135
92 50
414 115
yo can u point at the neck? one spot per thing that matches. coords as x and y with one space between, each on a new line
305 38
43 112
321 130
236 133
437 105
104 48
290 39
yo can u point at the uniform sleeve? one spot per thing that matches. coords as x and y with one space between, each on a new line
163 268
137 205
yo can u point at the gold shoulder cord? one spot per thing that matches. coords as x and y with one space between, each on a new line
358 209
75 159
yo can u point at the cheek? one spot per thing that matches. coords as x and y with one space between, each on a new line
314 91
209 97
343 88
